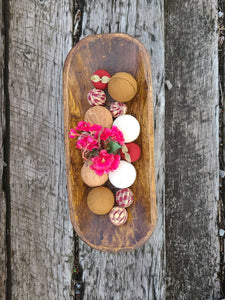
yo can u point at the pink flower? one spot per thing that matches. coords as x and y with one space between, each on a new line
87 143
86 126
93 140
105 162
113 134
73 133
91 143
106 133
81 144
117 135
115 163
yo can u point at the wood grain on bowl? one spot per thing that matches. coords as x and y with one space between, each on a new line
113 53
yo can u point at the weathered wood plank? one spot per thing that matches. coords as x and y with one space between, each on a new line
192 150
138 274
3 260
41 232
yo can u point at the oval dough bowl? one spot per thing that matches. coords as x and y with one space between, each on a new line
114 53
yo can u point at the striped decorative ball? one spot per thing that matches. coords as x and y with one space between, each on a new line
96 97
118 109
118 215
124 197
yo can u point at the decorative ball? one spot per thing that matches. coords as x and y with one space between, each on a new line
96 97
131 153
129 126
124 197
118 109
99 115
100 200
124 176
90 177
118 215
122 87
100 79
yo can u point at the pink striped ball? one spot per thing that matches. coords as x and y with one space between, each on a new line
124 197
118 215
118 109
96 97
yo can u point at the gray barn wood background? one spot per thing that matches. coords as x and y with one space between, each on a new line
181 259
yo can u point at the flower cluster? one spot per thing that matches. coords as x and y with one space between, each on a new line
99 144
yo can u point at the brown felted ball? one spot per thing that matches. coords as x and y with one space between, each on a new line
122 87
99 115
100 200
90 177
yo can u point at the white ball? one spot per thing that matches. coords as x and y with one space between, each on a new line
129 126
124 176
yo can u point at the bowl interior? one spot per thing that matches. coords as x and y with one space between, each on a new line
113 53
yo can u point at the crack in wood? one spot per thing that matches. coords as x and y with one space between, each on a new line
221 217
78 7
6 147
77 280
77 276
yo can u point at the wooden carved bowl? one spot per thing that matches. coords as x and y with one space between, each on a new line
114 53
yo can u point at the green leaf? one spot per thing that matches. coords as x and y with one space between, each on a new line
93 153
113 146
